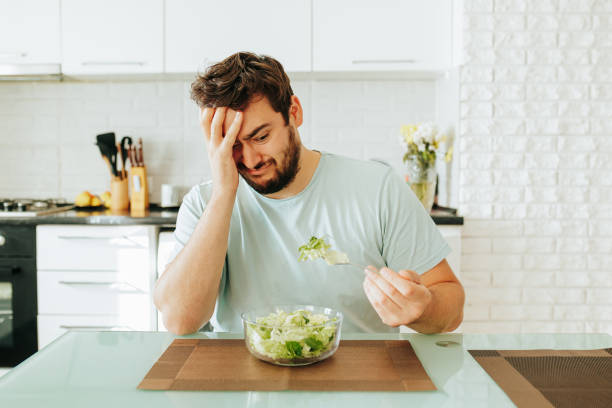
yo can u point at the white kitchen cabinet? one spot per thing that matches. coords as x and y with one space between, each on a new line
95 277
201 32
112 36
452 235
30 32
382 35
165 249
99 293
92 248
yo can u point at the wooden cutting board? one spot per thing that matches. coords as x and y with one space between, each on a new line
357 365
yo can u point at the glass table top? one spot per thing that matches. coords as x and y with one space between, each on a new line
103 369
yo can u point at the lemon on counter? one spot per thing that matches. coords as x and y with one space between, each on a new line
83 199
95 201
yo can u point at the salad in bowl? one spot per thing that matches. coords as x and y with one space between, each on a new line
292 335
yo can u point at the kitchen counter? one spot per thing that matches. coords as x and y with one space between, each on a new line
153 216
103 369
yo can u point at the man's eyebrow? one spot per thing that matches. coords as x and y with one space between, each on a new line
255 131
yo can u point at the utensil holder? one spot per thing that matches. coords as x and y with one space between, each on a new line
139 199
120 200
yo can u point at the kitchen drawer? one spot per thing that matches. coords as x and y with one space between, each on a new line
17 241
101 248
51 327
93 293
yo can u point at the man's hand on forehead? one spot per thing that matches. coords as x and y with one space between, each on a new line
230 114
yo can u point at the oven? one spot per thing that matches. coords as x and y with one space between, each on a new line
18 309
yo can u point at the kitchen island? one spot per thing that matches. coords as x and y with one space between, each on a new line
103 369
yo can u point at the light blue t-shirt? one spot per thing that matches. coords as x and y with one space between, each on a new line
362 208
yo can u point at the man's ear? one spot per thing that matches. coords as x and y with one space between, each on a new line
295 111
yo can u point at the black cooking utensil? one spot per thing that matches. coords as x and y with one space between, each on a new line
106 138
107 156
126 142
108 149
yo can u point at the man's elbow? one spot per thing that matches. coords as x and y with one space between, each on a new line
180 325
454 323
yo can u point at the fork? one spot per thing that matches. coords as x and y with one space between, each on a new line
363 268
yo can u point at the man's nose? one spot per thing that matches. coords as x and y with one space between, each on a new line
250 156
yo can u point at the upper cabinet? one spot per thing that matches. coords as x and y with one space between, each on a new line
382 35
30 32
112 36
201 32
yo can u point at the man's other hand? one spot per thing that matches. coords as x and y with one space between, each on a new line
399 298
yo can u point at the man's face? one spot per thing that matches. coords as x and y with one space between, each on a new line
266 152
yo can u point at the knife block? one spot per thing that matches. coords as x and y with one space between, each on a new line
139 199
120 200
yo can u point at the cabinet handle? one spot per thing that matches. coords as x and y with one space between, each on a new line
13 54
89 238
84 237
104 63
71 327
112 285
385 61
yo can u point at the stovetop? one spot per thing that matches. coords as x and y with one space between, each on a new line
32 207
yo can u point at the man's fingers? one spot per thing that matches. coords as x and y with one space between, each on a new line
385 307
396 294
412 275
216 127
234 129
206 115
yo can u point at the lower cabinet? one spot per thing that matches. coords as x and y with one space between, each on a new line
452 235
95 278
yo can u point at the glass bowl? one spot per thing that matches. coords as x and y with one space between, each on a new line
310 334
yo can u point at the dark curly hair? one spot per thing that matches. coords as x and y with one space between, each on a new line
234 82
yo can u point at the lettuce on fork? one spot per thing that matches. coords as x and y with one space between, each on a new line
317 248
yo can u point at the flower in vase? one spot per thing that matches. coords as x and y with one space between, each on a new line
422 140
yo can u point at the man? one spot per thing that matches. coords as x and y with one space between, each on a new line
237 236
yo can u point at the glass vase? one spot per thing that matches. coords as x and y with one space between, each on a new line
422 179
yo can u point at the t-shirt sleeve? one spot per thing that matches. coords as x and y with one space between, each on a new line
186 220
411 239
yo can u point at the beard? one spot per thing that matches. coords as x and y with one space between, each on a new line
283 175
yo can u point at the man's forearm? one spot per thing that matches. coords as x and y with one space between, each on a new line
187 291
445 311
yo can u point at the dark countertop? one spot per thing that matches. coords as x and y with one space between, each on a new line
154 216
446 218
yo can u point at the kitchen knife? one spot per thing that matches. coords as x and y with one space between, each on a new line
120 159
140 158
133 160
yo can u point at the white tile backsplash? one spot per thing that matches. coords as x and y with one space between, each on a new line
47 130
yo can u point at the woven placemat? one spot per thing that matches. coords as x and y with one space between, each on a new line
214 365
551 378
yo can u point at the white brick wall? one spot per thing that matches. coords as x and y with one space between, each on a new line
536 154
47 130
